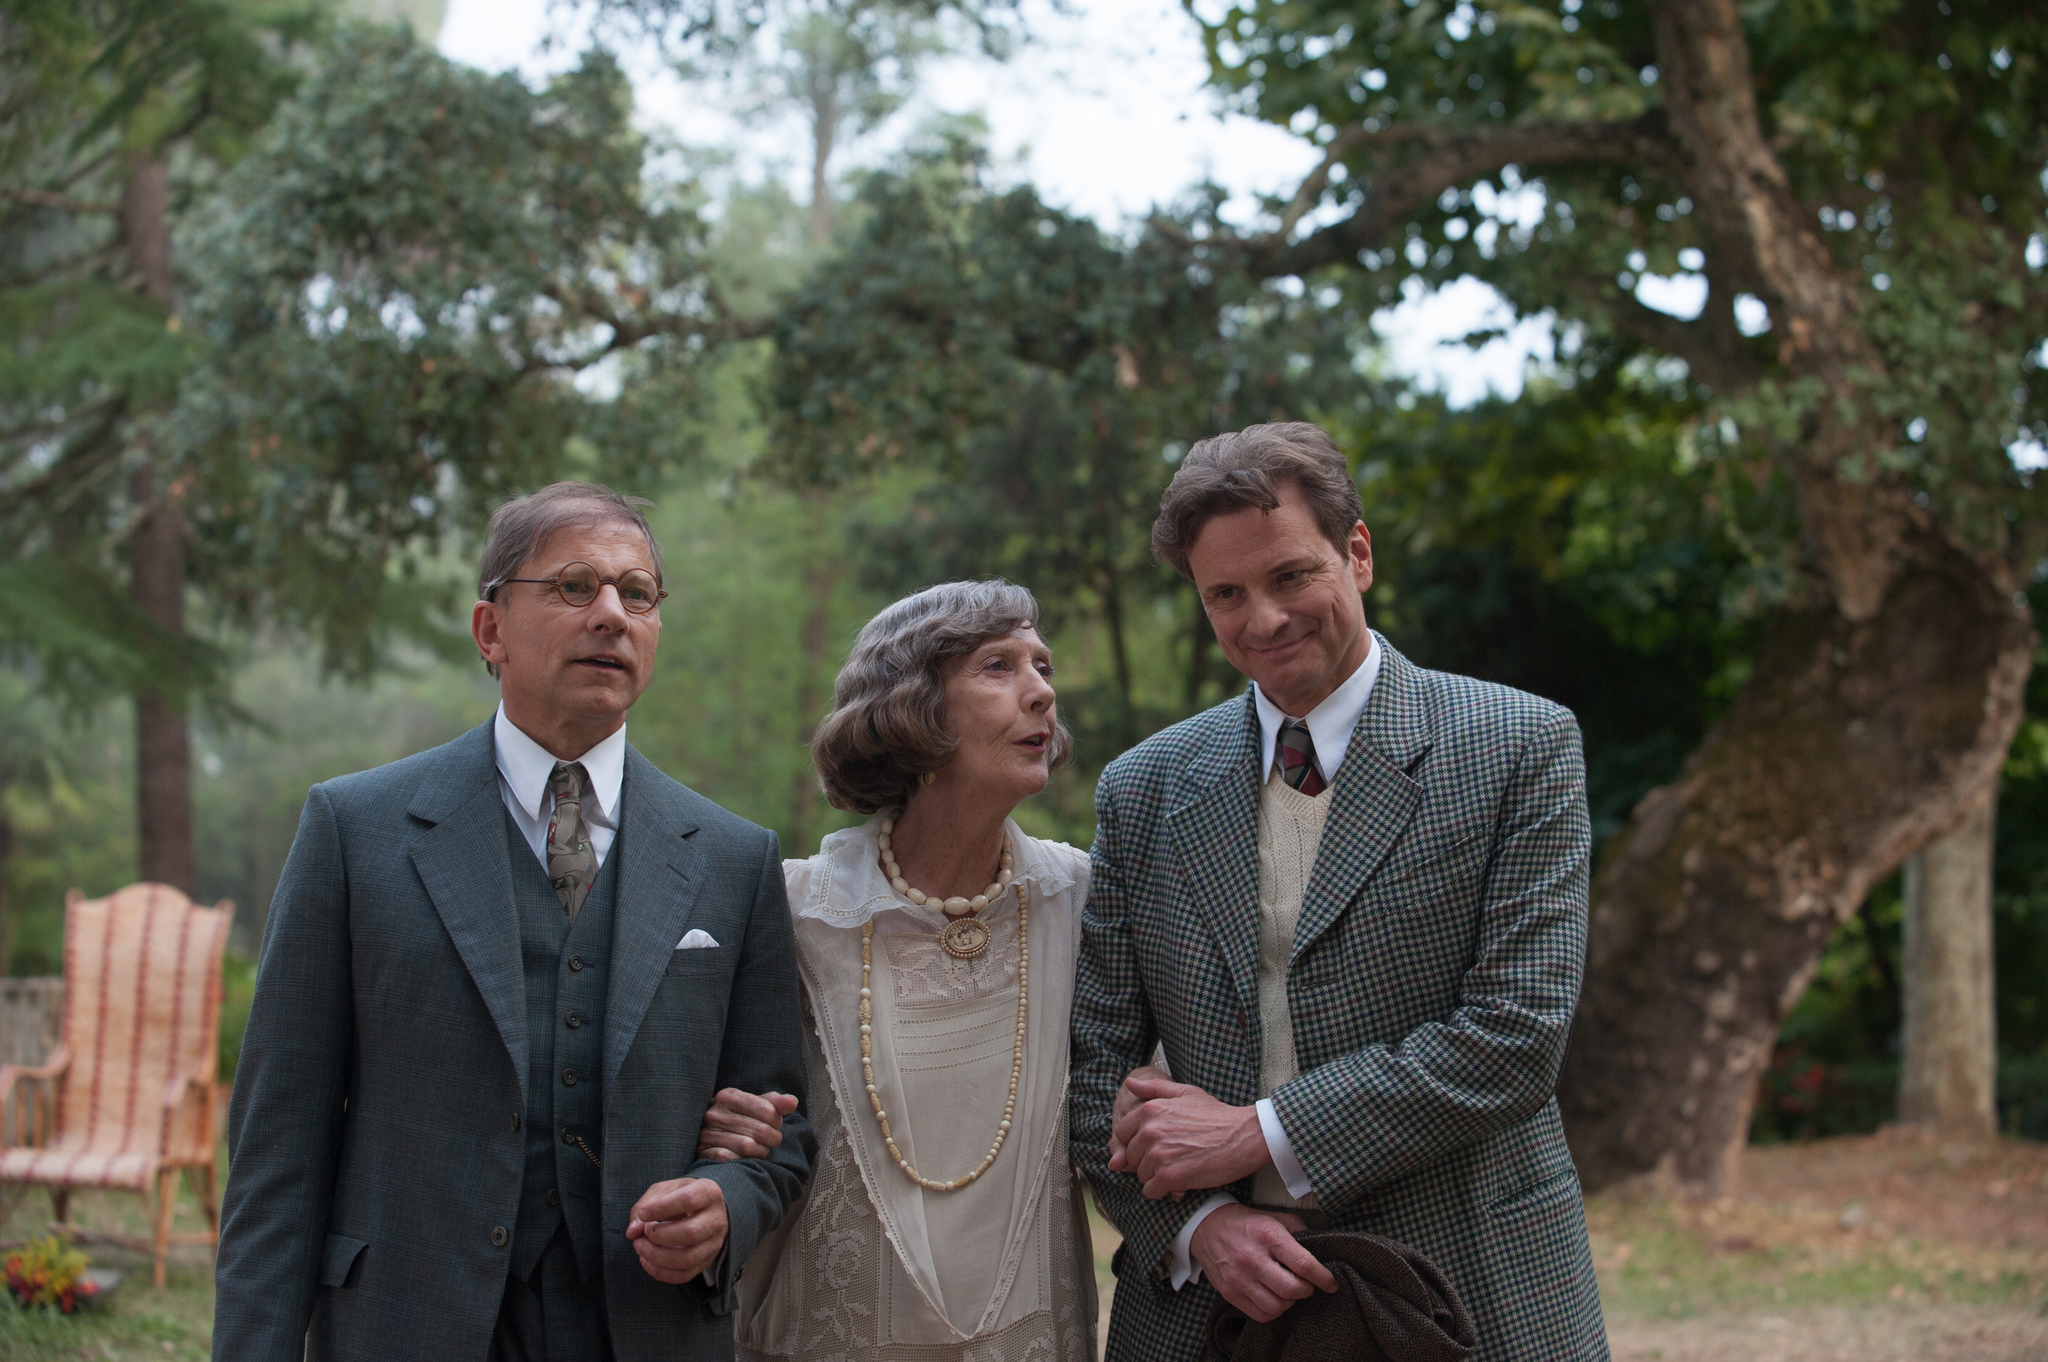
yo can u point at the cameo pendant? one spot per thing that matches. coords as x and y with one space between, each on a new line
965 938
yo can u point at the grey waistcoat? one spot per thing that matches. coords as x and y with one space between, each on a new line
567 973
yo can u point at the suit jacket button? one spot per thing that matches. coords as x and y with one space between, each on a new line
568 1078
576 962
553 1198
573 1020
498 1237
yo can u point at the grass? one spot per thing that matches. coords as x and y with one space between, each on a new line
1665 1260
1657 1260
138 1322
1662 1260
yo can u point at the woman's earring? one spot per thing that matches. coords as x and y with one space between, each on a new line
928 777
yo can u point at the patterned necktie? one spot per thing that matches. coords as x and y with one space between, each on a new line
1296 753
572 861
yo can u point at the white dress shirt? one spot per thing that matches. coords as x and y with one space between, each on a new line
523 770
1329 726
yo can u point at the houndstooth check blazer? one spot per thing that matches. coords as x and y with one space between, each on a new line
1435 968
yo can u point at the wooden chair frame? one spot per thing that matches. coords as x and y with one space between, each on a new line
31 1095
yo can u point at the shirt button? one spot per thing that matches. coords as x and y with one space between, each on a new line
498 1237
575 962
554 1198
574 1020
568 1078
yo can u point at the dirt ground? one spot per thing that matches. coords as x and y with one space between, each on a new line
1875 1248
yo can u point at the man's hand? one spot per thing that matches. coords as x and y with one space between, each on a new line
677 1228
741 1125
1253 1259
1180 1139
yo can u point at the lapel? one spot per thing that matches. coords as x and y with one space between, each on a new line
463 860
1374 797
660 875
1216 835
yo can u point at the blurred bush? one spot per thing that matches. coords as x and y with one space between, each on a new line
237 991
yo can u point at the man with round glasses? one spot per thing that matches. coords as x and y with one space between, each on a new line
500 982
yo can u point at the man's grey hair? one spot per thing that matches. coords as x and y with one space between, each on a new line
522 525
888 721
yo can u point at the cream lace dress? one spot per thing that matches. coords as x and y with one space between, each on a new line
870 1267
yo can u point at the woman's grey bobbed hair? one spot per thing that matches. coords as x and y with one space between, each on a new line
888 721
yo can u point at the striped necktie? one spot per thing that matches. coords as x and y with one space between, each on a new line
572 861
1296 753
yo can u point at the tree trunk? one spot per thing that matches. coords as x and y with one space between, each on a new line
1948 1076
156 558
1854 744
825 119
163 744
10 918
1879 709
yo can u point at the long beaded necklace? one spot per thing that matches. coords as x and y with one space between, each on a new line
867 1015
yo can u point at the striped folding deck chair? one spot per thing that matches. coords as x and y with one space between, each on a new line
127 1101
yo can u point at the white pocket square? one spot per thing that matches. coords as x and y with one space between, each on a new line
696 939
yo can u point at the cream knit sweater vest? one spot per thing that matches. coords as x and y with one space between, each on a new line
1290 831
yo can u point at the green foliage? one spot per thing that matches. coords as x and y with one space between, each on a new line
1912 136
66 787
1027 382
419 292
238 993
2020 889
87 359
1567 543
145 73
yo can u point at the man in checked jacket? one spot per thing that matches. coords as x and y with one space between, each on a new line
1351 907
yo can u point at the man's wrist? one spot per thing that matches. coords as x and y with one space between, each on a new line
1183 1268
1248 1148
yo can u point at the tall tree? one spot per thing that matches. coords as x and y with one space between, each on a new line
103 98
1853 193
1948 1043
266 357
843 67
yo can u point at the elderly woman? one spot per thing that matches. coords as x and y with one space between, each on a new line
936 944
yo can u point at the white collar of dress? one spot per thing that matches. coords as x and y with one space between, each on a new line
852 888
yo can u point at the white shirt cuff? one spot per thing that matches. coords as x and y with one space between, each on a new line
1282 1150
1185 1269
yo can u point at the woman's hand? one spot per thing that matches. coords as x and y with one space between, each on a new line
743 1125
1127 1102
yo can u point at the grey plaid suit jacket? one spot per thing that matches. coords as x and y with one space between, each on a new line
1435 968
374 1135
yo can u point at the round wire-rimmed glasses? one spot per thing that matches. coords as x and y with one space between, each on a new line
578 584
